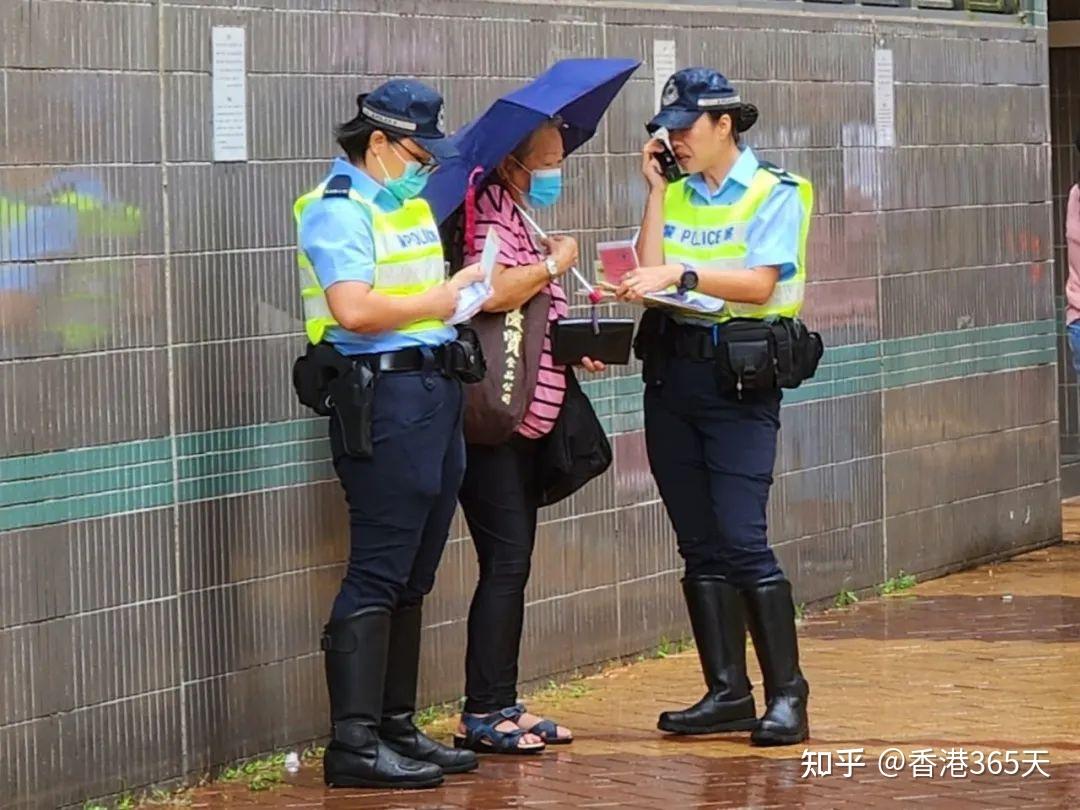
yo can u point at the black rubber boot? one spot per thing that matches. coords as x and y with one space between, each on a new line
716 615
397 729
771 615
355 652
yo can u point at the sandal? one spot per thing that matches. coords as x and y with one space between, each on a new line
546 730
482 736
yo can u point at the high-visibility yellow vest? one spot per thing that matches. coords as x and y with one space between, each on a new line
408 259
714 237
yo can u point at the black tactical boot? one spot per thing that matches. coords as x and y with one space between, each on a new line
355 653
397 729
771 615
716 615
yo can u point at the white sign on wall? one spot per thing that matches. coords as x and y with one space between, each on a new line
229 91
663 59
884 98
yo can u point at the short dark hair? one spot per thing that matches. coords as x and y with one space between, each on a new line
354 137
716 115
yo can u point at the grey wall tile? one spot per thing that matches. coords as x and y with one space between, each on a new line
261 534
121 397
33 587
31 767
220 385
36 681
142 732
227 715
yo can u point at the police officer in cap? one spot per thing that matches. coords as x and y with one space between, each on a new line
733 231
374 288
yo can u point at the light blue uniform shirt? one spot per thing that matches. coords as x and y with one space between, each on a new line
772 237
337 235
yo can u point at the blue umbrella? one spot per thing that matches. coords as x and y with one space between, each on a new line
577 90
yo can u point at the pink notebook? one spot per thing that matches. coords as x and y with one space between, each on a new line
616 260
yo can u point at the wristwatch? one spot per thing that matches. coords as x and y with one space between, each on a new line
688 280
552 267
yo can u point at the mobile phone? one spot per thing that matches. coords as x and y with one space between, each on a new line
669 166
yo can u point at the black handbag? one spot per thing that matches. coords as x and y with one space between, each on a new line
575 451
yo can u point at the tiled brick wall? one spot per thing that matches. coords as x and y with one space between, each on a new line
170 531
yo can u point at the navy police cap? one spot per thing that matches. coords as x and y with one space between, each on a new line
409 108
694 91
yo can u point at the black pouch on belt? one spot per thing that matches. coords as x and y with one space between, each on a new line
798 351
312 373
352 397
746 356
649 346
465 356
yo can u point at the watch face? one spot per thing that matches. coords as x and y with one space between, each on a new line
689 280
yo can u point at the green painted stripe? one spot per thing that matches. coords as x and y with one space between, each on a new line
82 459
230 461
75 484
86 506
250 436
95 481
219 486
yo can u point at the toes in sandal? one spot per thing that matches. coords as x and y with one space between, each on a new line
481 735
546 730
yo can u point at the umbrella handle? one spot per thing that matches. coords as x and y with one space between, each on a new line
594 296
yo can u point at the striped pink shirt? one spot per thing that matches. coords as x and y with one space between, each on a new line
495 208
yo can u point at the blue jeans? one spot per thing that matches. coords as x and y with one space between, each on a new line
712 456
1073 331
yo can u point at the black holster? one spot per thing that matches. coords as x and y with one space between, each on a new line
352 397
341 388
650 346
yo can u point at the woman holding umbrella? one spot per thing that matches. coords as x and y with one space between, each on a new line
500 494
502 491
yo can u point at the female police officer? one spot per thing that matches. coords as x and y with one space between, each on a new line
372 278
735 230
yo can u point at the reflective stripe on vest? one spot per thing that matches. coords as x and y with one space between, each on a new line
408 260
714 237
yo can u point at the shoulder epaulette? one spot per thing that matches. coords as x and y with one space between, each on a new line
783 175
338 186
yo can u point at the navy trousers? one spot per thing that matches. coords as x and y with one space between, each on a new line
712 456
402 500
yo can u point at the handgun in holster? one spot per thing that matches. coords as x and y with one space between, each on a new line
352 400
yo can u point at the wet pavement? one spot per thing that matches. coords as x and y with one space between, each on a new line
972 679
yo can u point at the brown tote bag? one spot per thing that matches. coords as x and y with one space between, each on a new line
512 343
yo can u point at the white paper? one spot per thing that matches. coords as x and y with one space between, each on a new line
470 301
688 302
884 98
663 60
472 298
229 91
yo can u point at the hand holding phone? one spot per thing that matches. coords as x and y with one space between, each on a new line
659 160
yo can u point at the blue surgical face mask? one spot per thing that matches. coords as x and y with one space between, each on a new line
409 184
545 186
